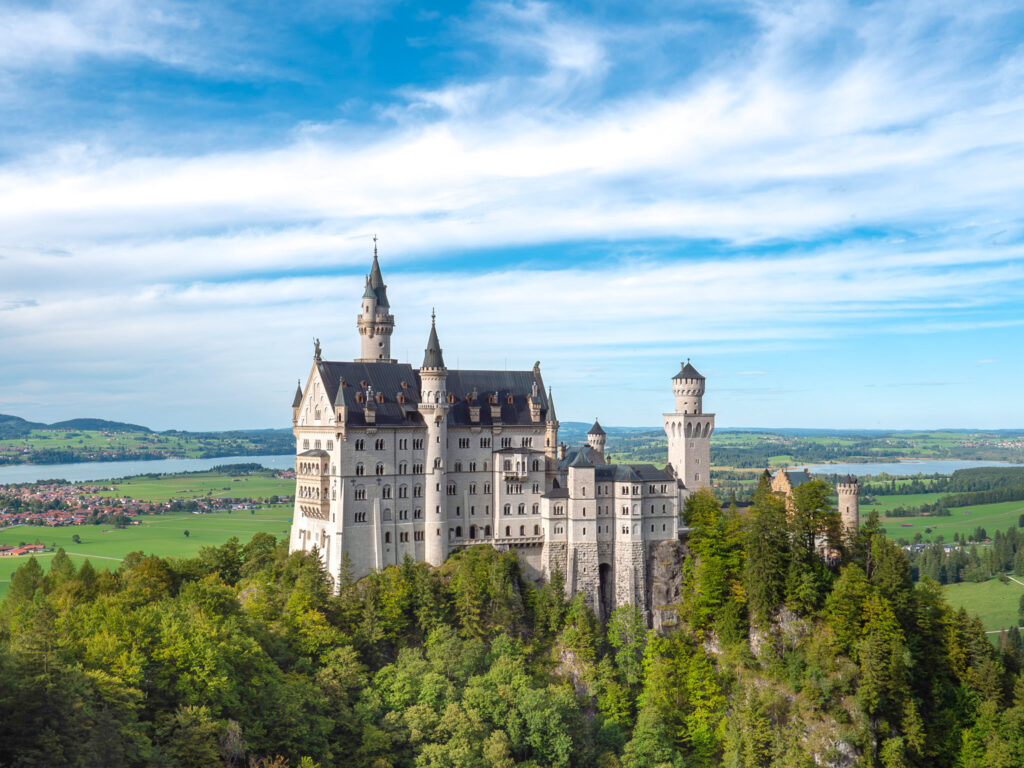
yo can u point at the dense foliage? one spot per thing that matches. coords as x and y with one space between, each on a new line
245 655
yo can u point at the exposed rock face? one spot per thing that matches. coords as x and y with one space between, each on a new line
666 569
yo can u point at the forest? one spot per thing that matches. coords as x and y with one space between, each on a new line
247 656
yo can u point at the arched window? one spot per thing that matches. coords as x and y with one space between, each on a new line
508 531
536 530
385 515
359 470
487 530
536 509
522 530
522 509
508 509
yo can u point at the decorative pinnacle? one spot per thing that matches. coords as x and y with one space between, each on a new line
375 246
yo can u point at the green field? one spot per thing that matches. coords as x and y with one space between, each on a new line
199 484
885 503
962 520
994 602
158 534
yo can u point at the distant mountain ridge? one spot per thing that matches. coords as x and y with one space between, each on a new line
15 426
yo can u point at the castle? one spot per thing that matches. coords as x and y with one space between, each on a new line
393 460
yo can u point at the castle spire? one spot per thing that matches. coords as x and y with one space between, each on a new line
375 323
551 408
298 395
432 357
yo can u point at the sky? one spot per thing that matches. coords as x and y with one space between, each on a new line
820 204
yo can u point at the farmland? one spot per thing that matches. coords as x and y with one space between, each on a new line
996 603
156 534
194 485
962 520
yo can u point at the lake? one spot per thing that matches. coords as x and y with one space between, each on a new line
105 470
909 467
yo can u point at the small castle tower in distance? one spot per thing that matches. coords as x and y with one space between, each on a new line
434 409
375 323
849 506
689 430
596 438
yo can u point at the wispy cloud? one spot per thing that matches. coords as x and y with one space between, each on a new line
839 170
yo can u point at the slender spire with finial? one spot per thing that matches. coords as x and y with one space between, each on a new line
298 395
432 357
551 418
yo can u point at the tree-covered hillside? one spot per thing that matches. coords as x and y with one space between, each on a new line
243 656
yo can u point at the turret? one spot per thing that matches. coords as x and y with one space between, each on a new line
551 429
596 439
849 505
689 430
688 388
296 403
374 323
434 409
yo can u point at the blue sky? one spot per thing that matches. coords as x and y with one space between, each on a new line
819 203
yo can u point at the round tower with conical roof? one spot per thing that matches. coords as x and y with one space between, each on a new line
434 409
596 439
375 323
689 429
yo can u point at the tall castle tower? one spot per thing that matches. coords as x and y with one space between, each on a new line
375 323
596 438
849 505
434 408
689 430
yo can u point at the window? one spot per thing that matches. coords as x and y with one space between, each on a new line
463 442
360 444
417 492
506 442
403 468
417 469
417 535
536 530
472 466
485 442
522 530
360 517
522 509
360 493
507 509
487 488
559 509
385 515
526 442
451 489
403 514
403 491
508 531
359 470
583 490
305 444
458 466
330 445
417 514
403 444
535 466
472 488
387 537
378 445
386 492
417 444
380 469
536 509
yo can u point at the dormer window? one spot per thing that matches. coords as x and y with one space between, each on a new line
451 398
492 400
380 397
359 398
510 399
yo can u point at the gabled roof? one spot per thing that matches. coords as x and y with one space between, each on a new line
633 473
297 401
687 372
580 460
596 429
796 477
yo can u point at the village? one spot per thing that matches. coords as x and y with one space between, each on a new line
57 504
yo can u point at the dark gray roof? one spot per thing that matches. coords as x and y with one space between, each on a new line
369 293
386 379
432 357
797 478
573 450
550 417
377 281
297 401
517 384
596 429
343 381
557 493
632 473
580 460
687 372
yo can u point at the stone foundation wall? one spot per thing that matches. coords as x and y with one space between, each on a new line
666 573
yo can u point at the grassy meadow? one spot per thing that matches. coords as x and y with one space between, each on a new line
994 602
195 485
162 535
962 520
